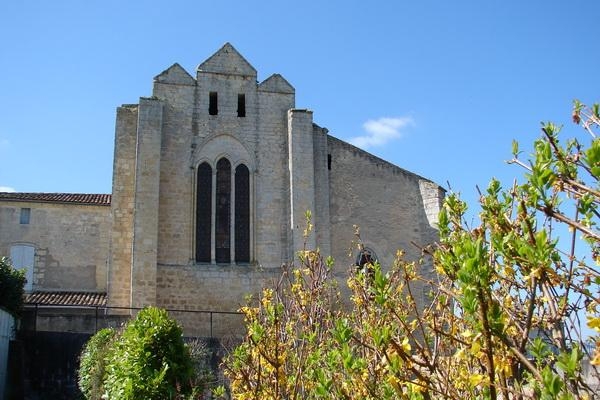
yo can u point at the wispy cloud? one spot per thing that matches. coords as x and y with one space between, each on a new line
381 131
7 189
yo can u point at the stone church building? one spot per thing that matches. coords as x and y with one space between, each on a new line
213 175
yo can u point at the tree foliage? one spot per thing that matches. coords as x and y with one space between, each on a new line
12 287
148 359
502 318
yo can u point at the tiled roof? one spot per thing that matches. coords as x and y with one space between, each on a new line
66 299
74 198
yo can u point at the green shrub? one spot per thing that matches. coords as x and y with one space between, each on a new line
12 282
92 363
149 360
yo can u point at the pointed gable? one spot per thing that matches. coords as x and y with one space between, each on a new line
175 74
276 84
227 61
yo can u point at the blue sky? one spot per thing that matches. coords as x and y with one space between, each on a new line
436 87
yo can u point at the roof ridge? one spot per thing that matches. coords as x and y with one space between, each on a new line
58 197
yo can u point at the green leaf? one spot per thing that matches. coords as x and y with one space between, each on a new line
515 148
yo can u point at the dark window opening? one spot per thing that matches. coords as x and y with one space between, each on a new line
242 214
329 162
365 260
213 109
241 110
365 256
25 216
223 212
203 212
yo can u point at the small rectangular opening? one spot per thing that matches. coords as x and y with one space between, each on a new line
25 216
329 162
241 110
213 109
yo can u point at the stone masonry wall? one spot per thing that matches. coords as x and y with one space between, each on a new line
322 229
145 216
211 287
71 243
122 207
175 229
302 177
272 205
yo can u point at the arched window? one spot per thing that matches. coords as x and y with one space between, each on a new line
365 256
365 259
223 204
223 212
203 213
242 214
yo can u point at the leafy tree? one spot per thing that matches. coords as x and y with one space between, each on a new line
502 319
149 360
12 287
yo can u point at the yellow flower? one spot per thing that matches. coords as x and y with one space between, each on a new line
596 359
475 379
594 323
406 345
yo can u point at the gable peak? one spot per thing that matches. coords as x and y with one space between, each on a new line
175 74
227 60
277 84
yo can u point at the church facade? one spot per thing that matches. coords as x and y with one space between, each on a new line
213 176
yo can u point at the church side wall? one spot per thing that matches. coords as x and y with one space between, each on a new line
71 243
384 201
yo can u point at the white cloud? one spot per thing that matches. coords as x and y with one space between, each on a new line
7 189
381 131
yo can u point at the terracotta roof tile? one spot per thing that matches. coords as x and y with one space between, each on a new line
66 299
73 198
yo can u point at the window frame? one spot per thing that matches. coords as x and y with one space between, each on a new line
240 234
25 216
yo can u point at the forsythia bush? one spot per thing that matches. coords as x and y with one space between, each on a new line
502 318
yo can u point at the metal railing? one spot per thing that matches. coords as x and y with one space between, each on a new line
101 314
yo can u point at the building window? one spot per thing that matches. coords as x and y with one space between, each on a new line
223 212
213 108
231 210
365 259
242 214
203 213
365 256
22 257
25 216
241 110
